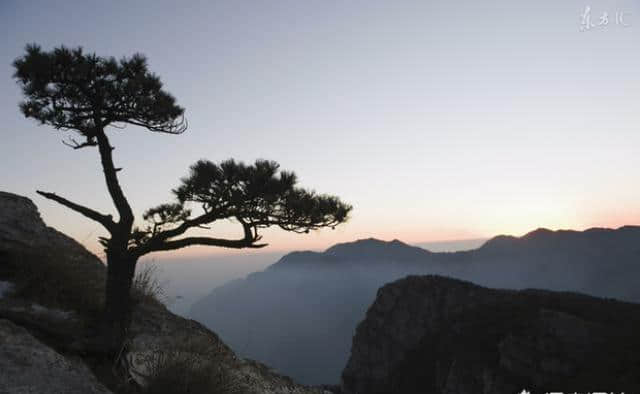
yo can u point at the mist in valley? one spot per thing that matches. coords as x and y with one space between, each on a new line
185 280
299 315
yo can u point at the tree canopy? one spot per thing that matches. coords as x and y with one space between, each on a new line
256 196
69 89
72 90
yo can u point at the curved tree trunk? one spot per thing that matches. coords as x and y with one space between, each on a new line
117 314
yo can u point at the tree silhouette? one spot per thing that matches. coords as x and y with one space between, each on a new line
83 93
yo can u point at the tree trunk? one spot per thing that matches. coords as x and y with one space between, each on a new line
117 315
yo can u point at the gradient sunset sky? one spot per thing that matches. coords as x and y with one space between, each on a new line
437 120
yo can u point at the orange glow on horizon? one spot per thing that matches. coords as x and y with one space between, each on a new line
286 243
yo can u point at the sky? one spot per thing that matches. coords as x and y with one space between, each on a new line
436 120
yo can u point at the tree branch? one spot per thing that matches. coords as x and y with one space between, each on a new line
177 127
250 230
186 225
160 241
77 145
190 241
119 200
105 220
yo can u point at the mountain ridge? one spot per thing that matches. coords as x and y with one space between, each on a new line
322 296
371 244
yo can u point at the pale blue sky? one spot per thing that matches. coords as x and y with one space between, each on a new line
435 119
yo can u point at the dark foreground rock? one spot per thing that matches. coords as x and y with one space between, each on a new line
430 334
22 229
32 253
29 366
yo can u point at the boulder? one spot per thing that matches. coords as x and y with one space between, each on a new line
22 229
29 366
25 238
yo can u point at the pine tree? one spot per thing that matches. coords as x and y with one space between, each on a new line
83 94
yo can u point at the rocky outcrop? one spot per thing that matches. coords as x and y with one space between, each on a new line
22 232
41 346
29 366
430 334
20 223
22 228
156 333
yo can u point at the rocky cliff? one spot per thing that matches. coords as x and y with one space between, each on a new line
22 229
23 232
430 334
29 366
50 294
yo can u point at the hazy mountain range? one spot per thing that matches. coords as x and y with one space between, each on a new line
300 314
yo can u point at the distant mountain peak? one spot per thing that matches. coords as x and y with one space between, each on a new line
541 231
499 241
373 247
544 235
506 241
369 249
365 243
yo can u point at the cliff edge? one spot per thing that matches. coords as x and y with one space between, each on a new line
431 334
